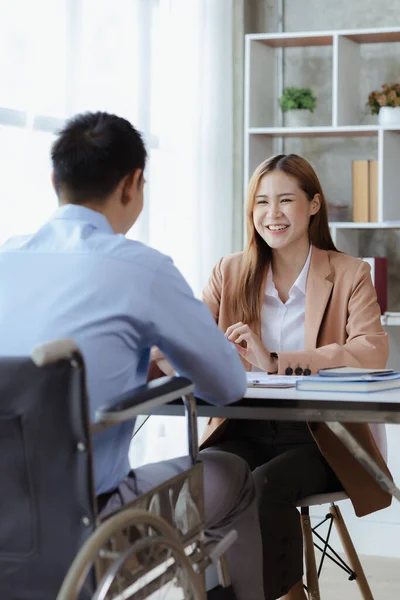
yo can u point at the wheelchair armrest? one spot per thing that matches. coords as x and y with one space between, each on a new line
142 400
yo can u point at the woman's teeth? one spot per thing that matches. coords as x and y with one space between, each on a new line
277 227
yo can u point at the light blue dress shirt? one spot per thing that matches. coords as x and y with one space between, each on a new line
116 298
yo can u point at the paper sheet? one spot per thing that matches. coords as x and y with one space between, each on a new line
256 379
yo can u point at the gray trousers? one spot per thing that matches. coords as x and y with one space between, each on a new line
287 466
230 503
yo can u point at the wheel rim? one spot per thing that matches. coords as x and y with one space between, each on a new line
87 557
166 565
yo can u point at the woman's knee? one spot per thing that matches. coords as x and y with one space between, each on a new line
270 486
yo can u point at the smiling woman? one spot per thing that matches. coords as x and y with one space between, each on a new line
292 304
283 191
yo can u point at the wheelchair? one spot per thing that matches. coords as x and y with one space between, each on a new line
53 544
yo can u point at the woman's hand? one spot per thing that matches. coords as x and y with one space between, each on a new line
255 353
157 357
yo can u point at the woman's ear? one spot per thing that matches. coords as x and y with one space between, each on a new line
315 204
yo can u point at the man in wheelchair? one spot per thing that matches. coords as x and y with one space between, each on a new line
79 277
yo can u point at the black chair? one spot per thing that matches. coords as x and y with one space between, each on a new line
52 543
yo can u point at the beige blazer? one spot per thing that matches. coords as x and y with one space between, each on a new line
342 328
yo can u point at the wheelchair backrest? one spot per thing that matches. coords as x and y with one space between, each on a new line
47 507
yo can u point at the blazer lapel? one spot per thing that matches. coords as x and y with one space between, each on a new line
318 291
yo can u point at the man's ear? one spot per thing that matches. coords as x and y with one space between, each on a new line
131 185
138 177
315 204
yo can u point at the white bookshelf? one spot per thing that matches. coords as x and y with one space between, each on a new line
340 59
344 59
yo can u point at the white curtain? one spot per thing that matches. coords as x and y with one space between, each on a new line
190 179
191 176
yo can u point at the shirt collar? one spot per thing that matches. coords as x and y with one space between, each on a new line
73 212
300 282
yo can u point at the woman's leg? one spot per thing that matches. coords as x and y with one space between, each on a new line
280 483
296 592
253 453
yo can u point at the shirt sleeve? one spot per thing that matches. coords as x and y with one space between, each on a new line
367 343
184 329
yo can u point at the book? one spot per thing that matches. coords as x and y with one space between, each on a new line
373 190
351 380
365 191
360 191
352 372
379 279
312 384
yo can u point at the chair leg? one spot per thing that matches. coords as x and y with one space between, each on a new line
351 553
309 554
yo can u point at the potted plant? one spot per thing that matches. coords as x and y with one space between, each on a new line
297 104
386 104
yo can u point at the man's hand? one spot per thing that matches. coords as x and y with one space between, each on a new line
255 353
159 359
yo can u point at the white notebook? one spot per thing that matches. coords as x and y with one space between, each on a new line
367 380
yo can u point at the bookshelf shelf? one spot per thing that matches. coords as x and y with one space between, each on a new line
352 225
390 319
327 38
348 130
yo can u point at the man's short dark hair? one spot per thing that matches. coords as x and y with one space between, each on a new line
93 152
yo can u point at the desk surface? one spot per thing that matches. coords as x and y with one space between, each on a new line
283 404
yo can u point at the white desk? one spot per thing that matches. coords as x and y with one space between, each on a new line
288 404
282 404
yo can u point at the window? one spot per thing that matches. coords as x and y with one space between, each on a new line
57 58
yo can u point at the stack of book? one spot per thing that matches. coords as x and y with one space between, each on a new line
365 191
379 278
349 379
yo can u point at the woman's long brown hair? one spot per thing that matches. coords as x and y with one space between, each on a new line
246 303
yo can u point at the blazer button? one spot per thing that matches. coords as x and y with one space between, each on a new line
307 372
289 371
299 371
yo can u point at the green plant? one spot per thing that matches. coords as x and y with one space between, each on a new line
294 98
389 95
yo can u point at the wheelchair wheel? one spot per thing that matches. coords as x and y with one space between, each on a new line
136 555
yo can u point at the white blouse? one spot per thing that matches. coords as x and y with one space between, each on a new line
282 323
